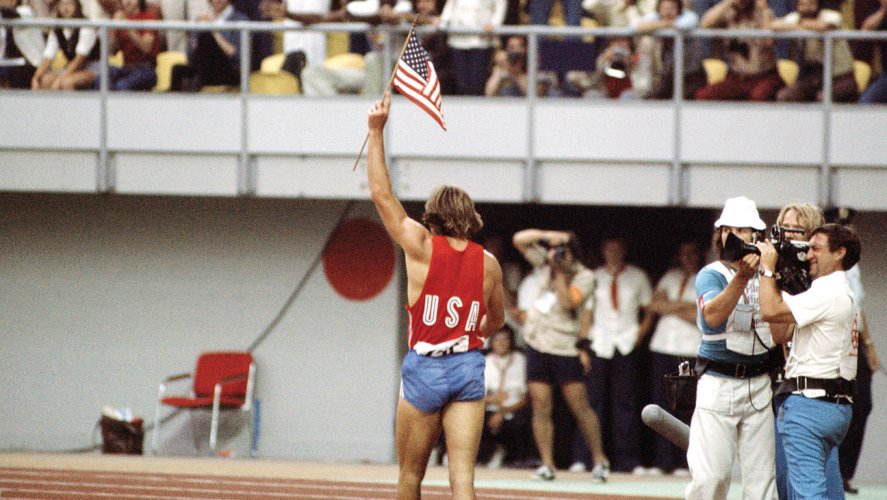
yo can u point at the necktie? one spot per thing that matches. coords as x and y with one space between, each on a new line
614 293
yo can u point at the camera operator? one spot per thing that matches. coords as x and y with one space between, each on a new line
555 354
821 365
733 414
794 224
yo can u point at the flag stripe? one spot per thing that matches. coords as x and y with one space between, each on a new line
416 79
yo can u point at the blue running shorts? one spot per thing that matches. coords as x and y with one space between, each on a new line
429 383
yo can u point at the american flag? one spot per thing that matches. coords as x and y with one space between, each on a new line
416 79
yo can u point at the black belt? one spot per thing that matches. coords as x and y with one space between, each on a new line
839 400
735 370
833 387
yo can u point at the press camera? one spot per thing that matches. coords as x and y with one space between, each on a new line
792 268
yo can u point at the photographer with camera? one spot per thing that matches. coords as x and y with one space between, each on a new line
555 353
794 224
733 414
821 366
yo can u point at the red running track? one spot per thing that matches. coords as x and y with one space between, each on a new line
40 483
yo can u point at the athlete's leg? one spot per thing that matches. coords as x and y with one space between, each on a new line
543 427
416 433
586 418
463 423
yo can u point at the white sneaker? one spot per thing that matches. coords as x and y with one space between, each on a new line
544 473
654 471
497 458
601 472
638 471
681 473
577 468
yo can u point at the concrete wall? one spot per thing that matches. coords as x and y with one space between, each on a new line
105 296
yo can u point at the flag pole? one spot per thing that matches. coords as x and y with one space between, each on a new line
387 87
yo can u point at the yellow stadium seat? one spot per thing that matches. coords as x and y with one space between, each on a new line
280 83
165 62
788 70
715 70
116 59
336 43
348 60
863 73
588 22
273 63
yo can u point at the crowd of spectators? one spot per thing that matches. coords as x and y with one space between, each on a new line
640 66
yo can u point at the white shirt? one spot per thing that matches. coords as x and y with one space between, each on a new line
312 43
87 39
674 335
514 370
28 40
813 49
472 14
824 344
618 328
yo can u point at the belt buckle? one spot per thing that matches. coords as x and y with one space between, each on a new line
740 371
804 380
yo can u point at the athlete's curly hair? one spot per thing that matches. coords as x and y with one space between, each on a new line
449 211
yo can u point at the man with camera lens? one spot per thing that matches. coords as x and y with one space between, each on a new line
821 366
732 414
555 353
794 224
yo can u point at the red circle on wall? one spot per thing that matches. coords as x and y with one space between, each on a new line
359 259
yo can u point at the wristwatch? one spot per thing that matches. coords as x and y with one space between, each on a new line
767 273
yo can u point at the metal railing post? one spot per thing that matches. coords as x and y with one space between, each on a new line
104 177
245 181
675 191
531 188
825 173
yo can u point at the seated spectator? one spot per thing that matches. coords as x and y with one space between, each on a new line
302 47
21 49
506 434
509 76
808 87
616 74
657 54
877 89
139 47
353 73
751 62
214 56
79 45
619 13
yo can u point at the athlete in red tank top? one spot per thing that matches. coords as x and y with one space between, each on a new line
446 316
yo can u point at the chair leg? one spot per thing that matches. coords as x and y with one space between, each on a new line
214 426
155 434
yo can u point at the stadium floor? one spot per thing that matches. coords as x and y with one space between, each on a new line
47 475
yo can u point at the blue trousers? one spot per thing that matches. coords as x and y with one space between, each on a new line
809 432
612 388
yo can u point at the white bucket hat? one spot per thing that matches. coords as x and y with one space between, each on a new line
740 212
